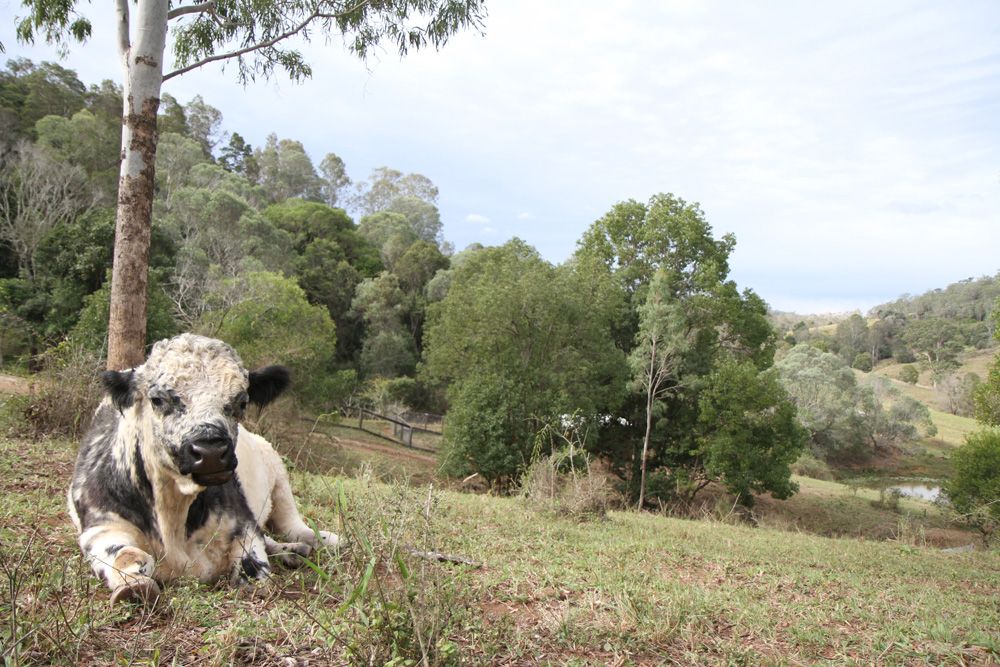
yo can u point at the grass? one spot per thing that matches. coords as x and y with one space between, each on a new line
631 589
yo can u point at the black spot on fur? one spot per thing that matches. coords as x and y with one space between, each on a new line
120 385
113 549
266 384
253 568
102 487
225 499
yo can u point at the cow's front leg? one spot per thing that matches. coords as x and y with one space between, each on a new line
248 556
116 557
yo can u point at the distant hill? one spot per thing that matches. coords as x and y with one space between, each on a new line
969 299
786 321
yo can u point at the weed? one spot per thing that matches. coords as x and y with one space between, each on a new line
553 485
67 393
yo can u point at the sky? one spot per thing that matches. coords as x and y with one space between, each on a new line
850 147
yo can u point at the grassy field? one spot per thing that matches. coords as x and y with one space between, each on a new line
629 589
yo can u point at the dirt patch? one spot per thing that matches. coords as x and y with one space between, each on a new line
394 451
19 386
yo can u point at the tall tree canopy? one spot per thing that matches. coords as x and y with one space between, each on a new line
519 343
671 239
255 35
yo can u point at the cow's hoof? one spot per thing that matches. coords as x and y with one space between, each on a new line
142 590
335 543
290 554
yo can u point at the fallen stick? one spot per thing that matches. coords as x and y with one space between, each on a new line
441 557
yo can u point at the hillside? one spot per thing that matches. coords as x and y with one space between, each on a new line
630 589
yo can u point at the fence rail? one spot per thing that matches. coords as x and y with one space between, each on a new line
402 431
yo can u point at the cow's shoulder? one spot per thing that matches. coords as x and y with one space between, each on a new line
110 476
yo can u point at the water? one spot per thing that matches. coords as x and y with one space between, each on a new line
921 491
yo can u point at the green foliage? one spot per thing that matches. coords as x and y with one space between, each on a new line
974 487
486 431
388 353
671 239
909 374
938 340
89 141
30 92
310 221
91 330
285 171
970 299
847 419
519 342
807 465
987 395
389 349
275 324
852 339
862 362
386 187
749 435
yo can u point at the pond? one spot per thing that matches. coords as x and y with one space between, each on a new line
921 491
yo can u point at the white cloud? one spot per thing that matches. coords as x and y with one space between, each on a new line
477 219
525 216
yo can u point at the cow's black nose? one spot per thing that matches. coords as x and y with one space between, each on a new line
208 455
212 455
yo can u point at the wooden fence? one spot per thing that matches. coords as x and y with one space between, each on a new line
402 431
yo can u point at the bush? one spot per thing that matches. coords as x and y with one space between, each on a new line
974 487
559 485
68 393
909 374
862 362
807 465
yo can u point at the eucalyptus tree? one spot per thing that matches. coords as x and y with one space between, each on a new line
662 341
668 241
335 179
252 34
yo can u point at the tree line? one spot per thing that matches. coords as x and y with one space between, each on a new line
640 344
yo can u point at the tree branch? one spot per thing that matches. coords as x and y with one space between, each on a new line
121 9
315 14
191 9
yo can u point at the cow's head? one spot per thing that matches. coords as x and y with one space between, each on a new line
193 391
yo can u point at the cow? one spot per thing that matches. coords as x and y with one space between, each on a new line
168 483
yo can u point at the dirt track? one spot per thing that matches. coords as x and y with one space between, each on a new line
397 451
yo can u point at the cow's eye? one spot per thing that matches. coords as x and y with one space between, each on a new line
238 407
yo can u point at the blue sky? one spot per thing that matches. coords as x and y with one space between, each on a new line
850 147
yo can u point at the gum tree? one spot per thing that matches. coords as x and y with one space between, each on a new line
253 34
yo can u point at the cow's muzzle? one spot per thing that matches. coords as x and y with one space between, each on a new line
209 456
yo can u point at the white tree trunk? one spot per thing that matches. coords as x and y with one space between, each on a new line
143 77
651 388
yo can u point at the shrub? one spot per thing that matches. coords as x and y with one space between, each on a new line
68 392
558 484
808 465
974 487
862 362
909 374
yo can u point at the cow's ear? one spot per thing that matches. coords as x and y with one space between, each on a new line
120 386
267 383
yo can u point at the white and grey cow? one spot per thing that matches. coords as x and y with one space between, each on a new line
167 482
